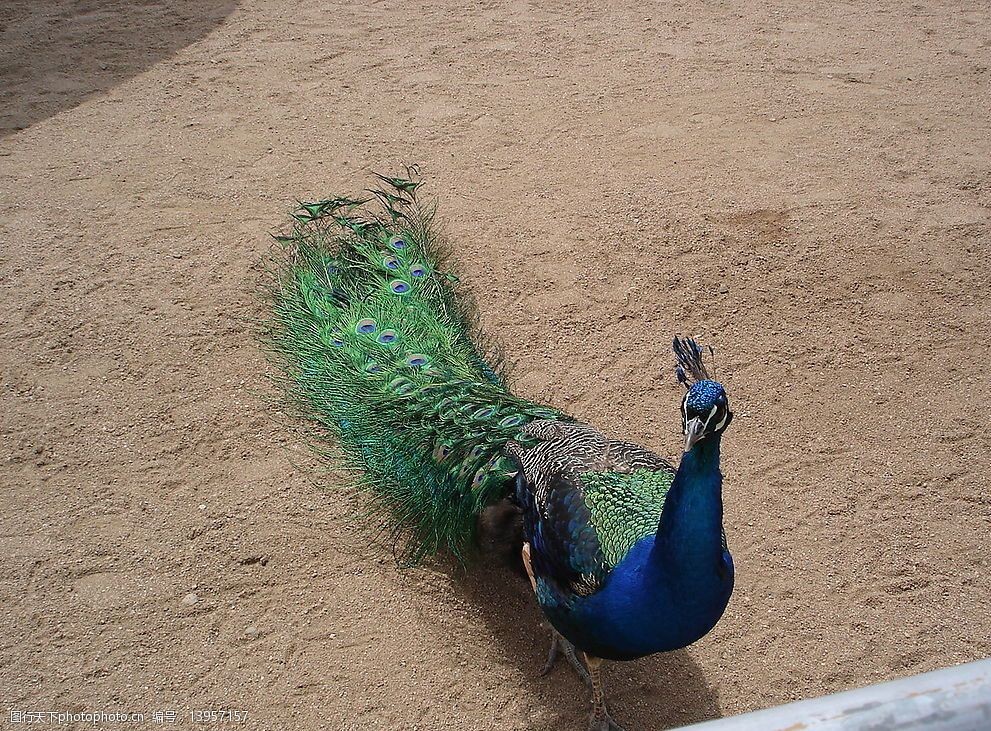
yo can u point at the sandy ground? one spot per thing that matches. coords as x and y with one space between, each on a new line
806 185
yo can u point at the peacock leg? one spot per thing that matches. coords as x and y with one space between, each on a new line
600 720
559 645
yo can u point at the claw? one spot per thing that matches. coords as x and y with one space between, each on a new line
560 645
603 722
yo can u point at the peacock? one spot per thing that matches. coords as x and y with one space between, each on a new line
379 345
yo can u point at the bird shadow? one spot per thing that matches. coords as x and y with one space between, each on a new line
57 54
663 691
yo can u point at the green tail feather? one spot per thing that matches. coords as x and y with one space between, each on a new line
378 345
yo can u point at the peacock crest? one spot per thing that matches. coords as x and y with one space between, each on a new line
689 364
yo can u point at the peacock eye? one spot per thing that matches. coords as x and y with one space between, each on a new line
717 418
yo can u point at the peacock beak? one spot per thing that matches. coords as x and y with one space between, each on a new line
694 431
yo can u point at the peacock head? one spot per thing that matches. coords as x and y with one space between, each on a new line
705 407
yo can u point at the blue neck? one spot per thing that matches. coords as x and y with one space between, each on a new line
672 587
688 544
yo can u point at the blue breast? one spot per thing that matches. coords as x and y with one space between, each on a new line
645 607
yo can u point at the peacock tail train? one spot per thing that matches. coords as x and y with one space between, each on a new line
378 343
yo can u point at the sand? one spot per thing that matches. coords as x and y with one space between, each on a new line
804 185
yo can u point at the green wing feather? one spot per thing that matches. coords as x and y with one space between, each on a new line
625 507
379 345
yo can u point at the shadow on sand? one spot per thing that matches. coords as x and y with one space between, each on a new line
55 55
659 692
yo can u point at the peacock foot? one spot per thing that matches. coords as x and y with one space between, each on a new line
600 720
560 646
